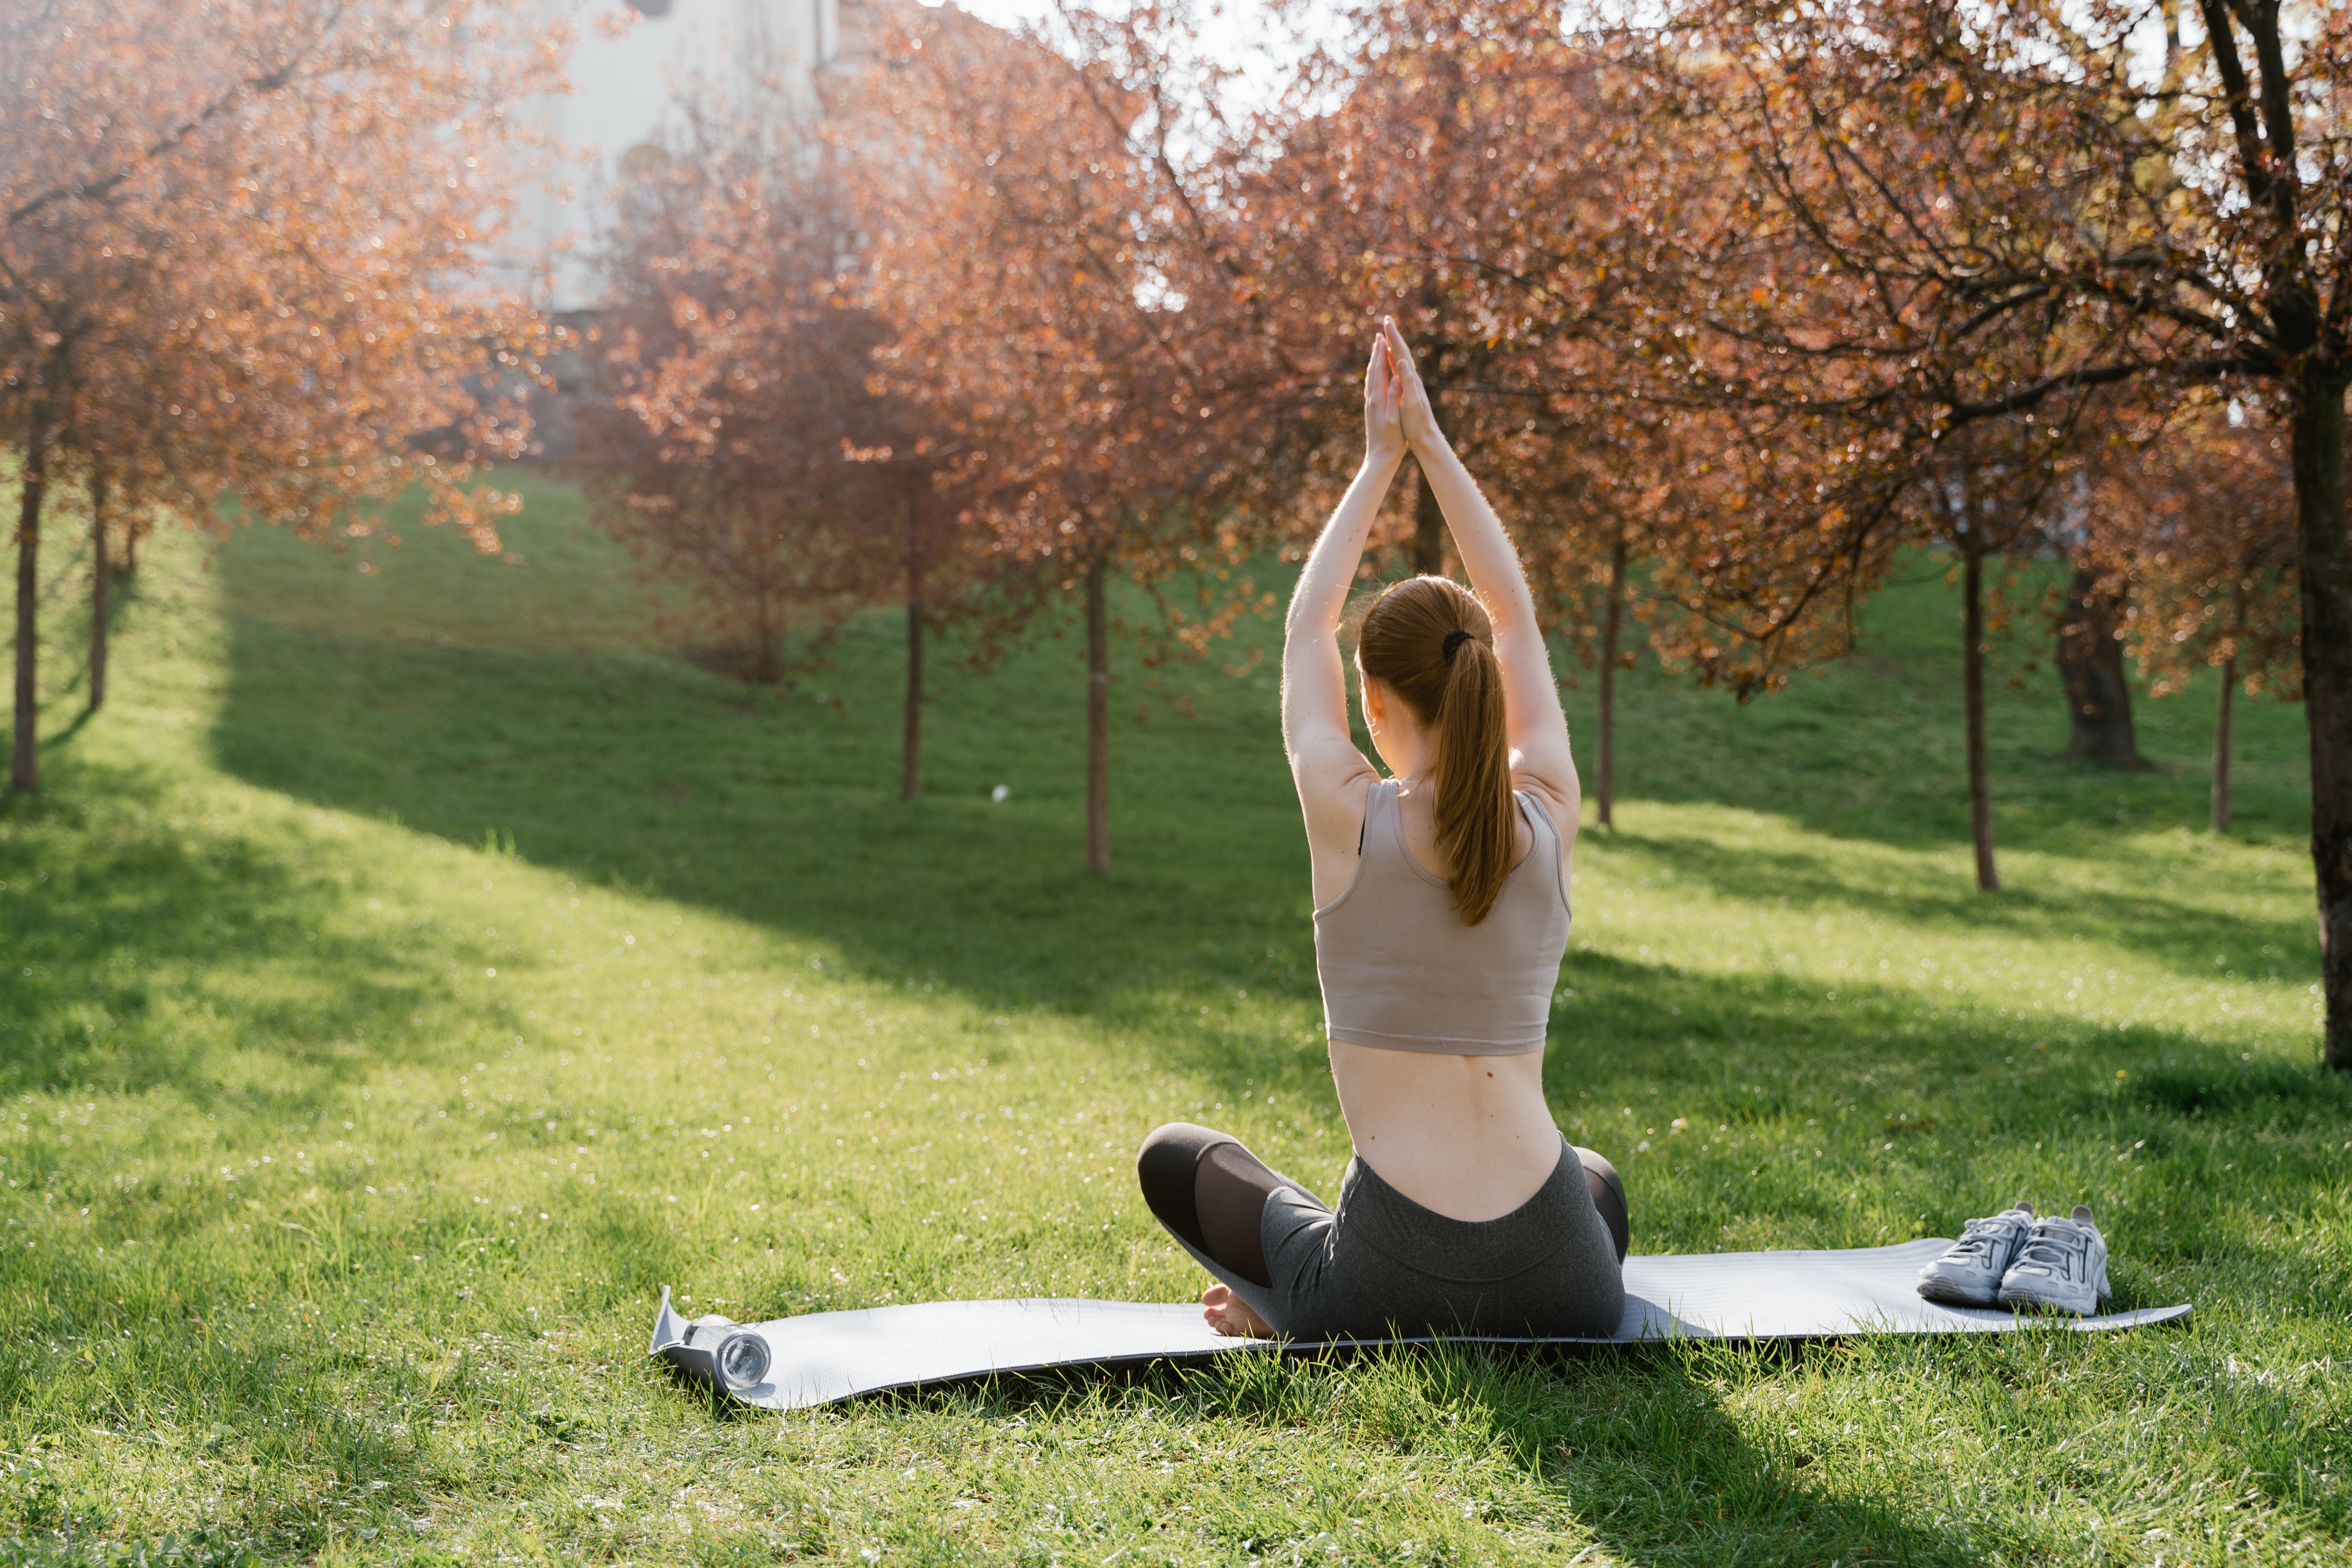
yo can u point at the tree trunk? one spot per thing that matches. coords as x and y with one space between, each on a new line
1972 689
24 772
101 569
2221 747
1612 621
765 657
1428 529
910 773
2323 562
1097 720
2091 665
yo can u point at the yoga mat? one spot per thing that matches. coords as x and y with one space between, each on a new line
824 1357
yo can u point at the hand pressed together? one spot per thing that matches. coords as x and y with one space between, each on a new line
1384 438
1415 412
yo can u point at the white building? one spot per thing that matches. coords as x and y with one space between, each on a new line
629 65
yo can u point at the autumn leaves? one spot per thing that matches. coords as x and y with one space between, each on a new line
240 258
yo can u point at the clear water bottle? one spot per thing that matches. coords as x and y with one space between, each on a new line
716 1349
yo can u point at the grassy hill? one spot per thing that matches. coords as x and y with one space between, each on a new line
409 972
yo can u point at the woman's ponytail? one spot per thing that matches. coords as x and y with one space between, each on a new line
1476 825
1431 642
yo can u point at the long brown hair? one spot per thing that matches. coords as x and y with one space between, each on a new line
1432 643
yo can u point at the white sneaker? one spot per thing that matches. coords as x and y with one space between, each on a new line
1969 1271
2063 1264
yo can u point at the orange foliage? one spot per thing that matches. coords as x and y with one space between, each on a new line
1050 246
233 237
739 447
232 241
2194 533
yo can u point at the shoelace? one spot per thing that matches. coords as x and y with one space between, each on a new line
2055 1251
1980 1235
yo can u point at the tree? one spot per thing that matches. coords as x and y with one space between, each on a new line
733 380
1068 300
1980 213
230 238
2090 660
936 562
2197 542
745 446
1599 517
1979 522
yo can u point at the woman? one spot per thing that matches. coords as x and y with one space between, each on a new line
1441 914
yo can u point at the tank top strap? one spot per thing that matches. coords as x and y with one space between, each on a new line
1538 818
1380 816
1547 839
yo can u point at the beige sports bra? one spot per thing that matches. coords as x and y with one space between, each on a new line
1401 973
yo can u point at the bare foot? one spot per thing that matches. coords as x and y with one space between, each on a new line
1229 1314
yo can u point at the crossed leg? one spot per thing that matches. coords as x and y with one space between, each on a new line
1209 1191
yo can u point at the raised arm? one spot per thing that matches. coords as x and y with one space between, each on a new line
1330 773
1540 758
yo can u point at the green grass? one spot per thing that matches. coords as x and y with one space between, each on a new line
407 974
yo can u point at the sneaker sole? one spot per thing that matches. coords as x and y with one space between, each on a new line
2025 1298
1946 1294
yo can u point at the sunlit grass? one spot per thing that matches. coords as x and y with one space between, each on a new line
408 975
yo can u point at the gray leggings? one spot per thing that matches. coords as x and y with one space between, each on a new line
1383 1265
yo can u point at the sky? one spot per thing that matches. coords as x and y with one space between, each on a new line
1236 33
1228 29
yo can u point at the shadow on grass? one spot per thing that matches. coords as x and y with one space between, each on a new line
251 1352
2248 1092
644 773
1727 1100
1871 748
151 921
2180 933
1640 1447
1630 1442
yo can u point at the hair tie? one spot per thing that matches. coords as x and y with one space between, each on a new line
1453 641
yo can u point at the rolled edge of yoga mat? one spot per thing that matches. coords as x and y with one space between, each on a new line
712 1349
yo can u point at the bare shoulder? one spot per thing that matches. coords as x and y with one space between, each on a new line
1333 799
1335 825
